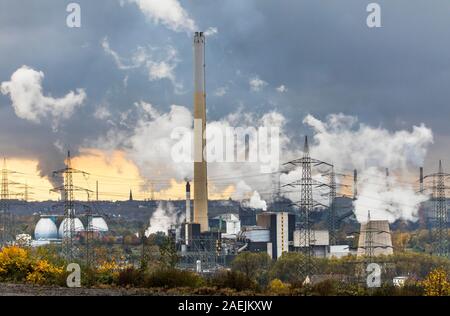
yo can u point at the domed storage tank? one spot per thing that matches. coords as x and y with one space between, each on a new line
98 224
78 227
45 229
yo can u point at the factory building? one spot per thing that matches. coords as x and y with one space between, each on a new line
281 226
320 244
190 232
339 251
375 235
256 234
228 224
247 216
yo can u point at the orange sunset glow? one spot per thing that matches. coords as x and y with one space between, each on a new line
115 173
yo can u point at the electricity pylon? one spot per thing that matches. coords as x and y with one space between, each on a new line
68 246
440 232
4 207
306 206
332 220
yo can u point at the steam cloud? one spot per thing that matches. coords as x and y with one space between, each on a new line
163 217
340 139
149 144
25 90
168 12
158 63
349 145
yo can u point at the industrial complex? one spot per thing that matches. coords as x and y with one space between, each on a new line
207 241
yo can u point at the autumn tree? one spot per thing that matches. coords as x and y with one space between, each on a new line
169 256
253 265
278 287
436 283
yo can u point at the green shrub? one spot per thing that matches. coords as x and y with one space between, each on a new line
233 280
170 278
130 276
327 287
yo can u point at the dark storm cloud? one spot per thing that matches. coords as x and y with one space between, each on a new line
322 51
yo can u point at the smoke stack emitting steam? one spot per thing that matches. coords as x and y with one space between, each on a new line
200 171
188 202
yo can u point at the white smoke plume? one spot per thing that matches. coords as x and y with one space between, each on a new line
159 63
340 140
349 145
163 217
150 143
29 102
256 202
170 13
248 196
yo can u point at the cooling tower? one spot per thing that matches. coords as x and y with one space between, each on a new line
200 172
380 241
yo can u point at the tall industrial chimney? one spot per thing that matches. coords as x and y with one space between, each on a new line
421 179
200 168
188 202
355 184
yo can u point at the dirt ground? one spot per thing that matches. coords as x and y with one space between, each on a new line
7 289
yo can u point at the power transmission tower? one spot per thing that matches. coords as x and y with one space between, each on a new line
5 190
88 237
4 207
306 206
68 247
7 222
440 232
368 242
26 190
332 221
25 194
441 215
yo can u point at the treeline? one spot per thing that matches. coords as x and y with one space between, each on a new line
250 273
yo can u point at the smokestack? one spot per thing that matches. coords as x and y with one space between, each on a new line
200 167
355 184
188 202
421 179
387 172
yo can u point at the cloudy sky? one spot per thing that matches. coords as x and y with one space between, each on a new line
85 89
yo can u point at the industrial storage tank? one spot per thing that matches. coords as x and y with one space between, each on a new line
257 234
78 227
98 224
45 229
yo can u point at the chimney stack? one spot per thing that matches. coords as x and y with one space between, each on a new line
421 179
188 202
200 167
